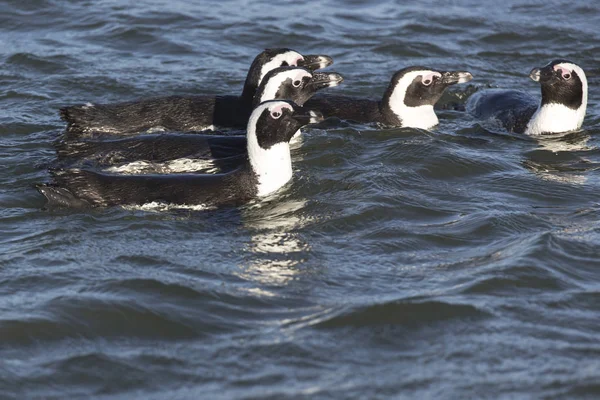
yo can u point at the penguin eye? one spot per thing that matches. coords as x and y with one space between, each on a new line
566 76
297 83
427 82
276 114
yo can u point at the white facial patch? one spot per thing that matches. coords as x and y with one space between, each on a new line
428 79
289 57
273 166
274 83
566 73
554 118
278 108
422 117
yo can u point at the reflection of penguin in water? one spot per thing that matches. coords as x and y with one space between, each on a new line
562 107
267 168
184 113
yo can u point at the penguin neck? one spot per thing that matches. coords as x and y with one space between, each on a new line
272 166
421 117
556 117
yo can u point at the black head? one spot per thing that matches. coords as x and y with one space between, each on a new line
264 62
562 82
418 86
276 121
293 83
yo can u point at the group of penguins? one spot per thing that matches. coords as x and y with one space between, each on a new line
250 134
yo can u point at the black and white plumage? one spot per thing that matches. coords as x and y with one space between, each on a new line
289 83
268 167
183 113
561 109
407 102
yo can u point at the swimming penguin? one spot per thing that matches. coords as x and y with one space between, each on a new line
183 113
267 168
297 84
561 109
407 102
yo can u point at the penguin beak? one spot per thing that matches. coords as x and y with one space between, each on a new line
535 74
305 116
314 62
454 77
321 80
542 75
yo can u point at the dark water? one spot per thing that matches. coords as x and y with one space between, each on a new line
458 263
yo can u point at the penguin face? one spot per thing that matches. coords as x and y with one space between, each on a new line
276 121
562 82
412 93
275 58
422 86
270 59
294 83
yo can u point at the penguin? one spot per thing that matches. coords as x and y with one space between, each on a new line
267 168
407 102
561 109
183 113
297 84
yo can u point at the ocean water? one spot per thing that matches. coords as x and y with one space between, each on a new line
457 263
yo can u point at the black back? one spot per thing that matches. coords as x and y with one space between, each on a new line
348 108
150 148
512 108
102 190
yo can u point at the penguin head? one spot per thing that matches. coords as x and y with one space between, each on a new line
294 83
276 121
270 128
413 92
281 57
562 82
419 86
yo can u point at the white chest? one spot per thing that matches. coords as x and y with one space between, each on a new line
273 167
422 117
554 118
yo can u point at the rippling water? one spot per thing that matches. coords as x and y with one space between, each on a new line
458 263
